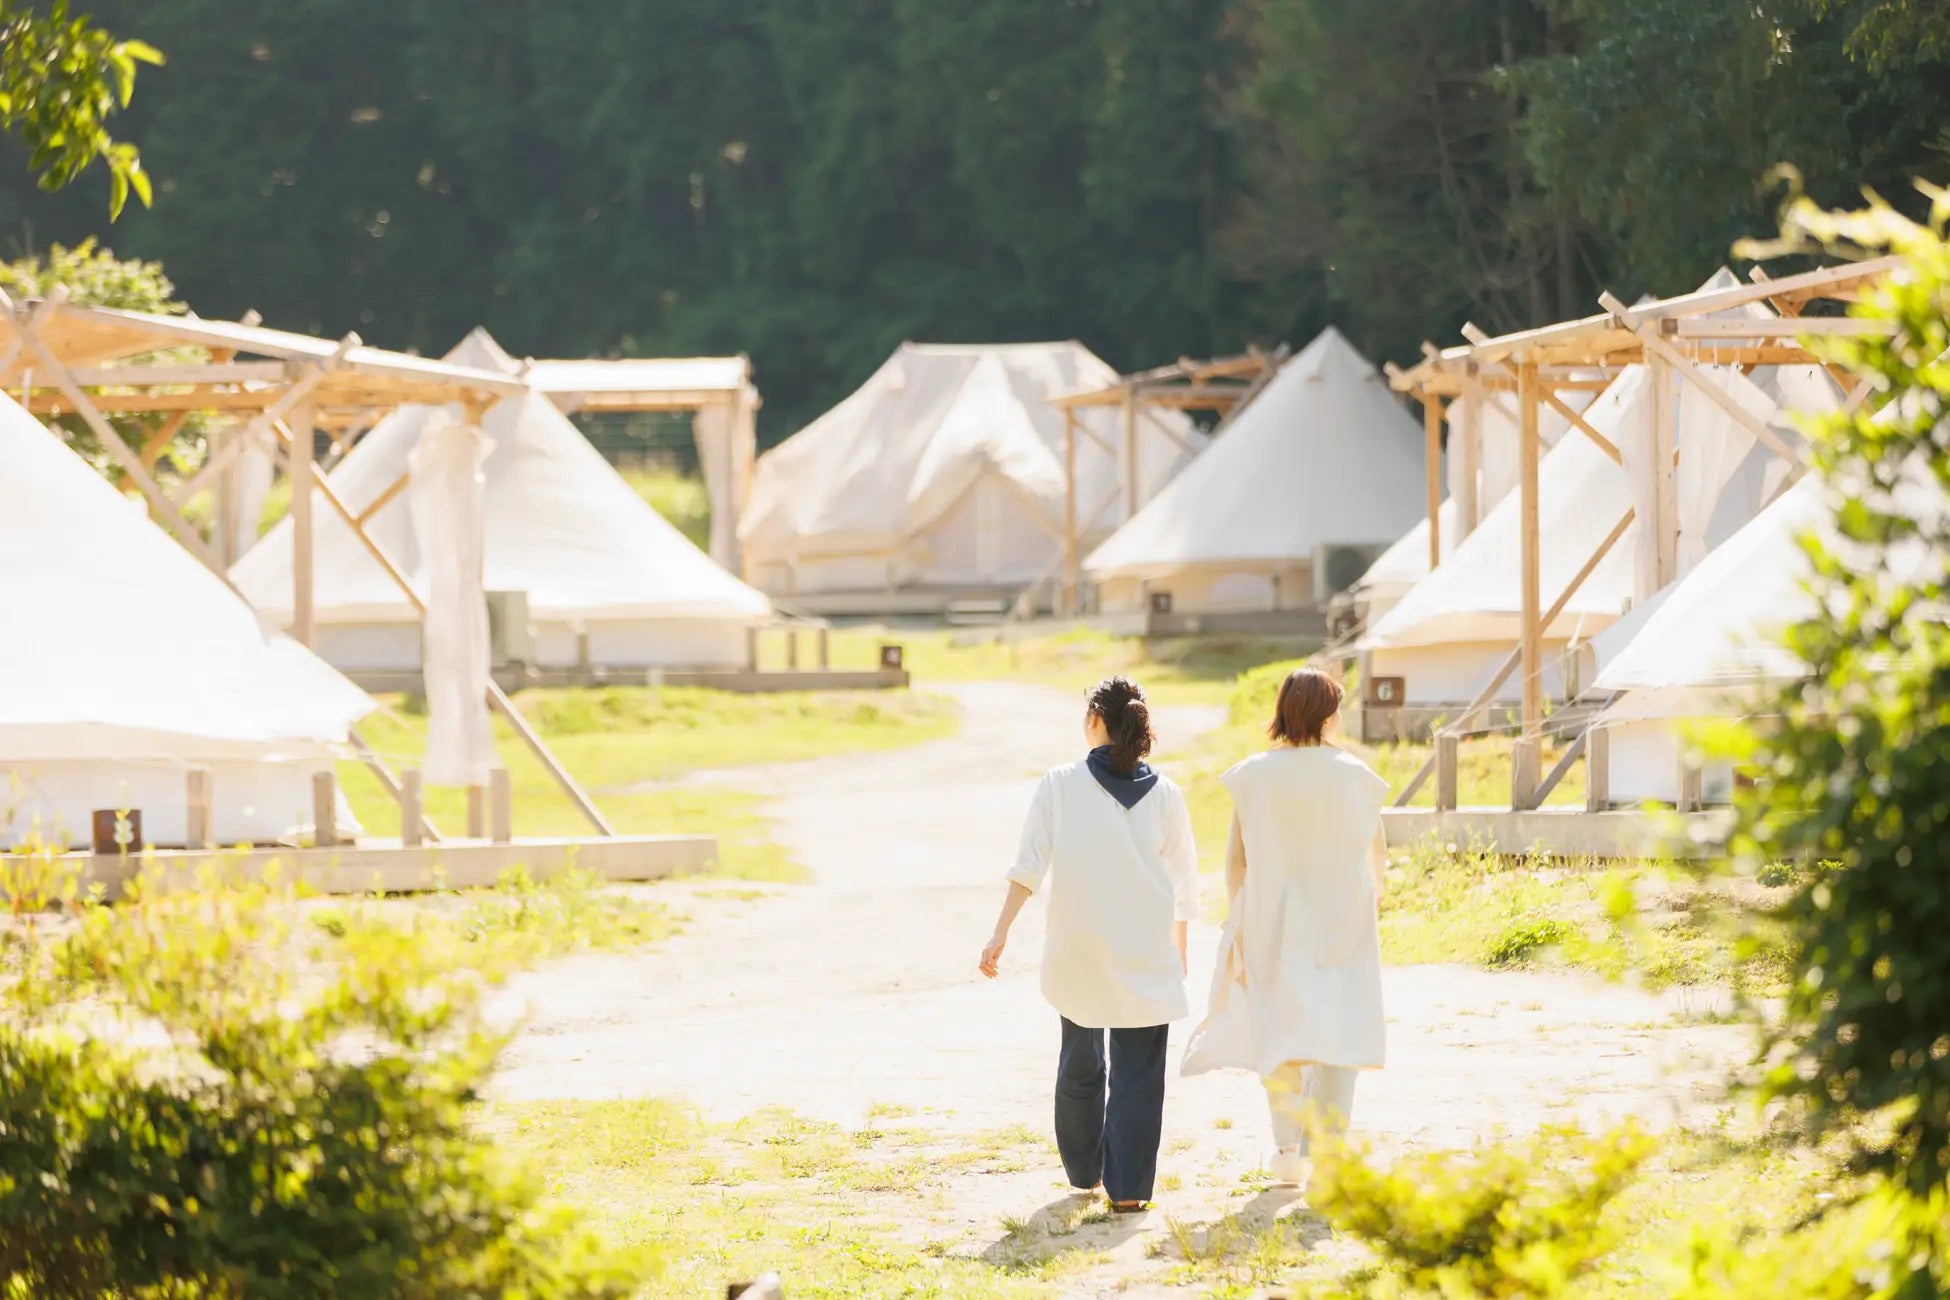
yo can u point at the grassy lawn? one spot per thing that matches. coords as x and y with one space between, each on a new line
873 1211
1172 671
623 743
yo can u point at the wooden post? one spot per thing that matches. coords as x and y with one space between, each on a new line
1663 539
303 616
751 649
477 812
324 809
825 639
1467 443
585 670
409 808
1688 799
1132 482
501 806
792 649
1447 750
1532 664
1526 768
1071 559
202 800
1432 462
1597 769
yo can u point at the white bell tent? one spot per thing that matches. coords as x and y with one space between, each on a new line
1449 635
1324 457
601 570
945 471
125 664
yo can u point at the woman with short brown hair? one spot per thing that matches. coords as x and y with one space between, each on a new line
1297 994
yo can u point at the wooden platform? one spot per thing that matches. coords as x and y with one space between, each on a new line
385 866
720 679
1565 832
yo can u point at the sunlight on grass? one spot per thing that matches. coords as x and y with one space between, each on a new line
678 497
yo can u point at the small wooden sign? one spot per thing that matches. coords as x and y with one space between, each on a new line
1386 692
118 832
1161 602
1345 623
891 658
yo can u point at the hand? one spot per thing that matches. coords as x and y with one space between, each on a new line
993 953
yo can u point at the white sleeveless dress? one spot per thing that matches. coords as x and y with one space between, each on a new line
1305 920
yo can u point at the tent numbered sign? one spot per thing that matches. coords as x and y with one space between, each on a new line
1385 692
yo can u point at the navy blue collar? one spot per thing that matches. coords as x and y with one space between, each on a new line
1127 790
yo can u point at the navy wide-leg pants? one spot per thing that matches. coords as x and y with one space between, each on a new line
1111 1132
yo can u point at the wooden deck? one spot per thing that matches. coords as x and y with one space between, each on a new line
1565 832
378 865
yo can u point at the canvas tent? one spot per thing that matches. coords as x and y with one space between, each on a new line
945 472
601 571
1324 457
1449 634
125 663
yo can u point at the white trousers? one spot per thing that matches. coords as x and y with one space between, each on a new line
1296 1093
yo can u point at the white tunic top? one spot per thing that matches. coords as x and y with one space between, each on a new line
1305 918
1118 878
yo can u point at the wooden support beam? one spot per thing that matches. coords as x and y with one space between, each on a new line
1556 403
1071 558
160 505
299 447
1432 472
158 442
1562 767
1514 659
1466 439
1597 768
1793 327
209 375
1659 535
1528 451
1656 345
384 499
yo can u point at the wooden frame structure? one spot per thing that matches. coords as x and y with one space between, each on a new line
1673 338
1221 384
63 359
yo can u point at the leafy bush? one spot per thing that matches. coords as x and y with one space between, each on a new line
1257 690
1524 937
203 1094
1854 767
1503 1221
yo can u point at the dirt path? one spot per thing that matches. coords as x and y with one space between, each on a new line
859 989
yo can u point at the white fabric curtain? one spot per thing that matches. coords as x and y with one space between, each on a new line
449 500
245 483
1712 444
727 446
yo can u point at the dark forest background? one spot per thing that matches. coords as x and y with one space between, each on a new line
813 181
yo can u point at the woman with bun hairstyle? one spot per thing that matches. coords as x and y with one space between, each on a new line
1114 842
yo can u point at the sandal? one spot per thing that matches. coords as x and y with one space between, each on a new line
1129 1207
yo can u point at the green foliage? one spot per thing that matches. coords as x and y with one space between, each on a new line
1854 764
1256 691
61 79
204 1096
1503 1221
1524 937
679 498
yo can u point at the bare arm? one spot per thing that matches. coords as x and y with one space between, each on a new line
1011 907
1235 862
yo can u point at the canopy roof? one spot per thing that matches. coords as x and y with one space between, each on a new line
115 643
897 454
562 525
624 384
1325 454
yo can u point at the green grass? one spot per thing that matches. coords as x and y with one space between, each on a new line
1172 671
622 743
713 1203
678 497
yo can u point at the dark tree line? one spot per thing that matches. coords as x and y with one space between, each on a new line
812 181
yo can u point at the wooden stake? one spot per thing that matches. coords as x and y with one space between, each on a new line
1689 786
1597 769
792 649
201 794
477 812
1447 747
751 649
324 808
1532 644
825 650
409 808
501 806
1526 757
389 782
